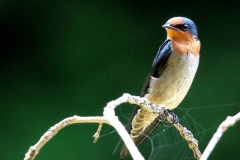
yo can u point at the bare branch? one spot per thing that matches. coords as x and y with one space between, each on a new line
34 150
110 118
192 142
230 121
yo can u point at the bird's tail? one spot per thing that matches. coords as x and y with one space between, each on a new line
124 152
139 139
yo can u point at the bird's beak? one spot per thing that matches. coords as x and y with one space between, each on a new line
168 26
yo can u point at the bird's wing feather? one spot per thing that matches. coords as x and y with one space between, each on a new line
158 64
156 70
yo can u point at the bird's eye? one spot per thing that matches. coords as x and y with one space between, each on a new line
185 27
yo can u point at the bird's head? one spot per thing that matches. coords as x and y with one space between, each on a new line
181 28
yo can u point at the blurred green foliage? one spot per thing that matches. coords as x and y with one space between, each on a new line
65 58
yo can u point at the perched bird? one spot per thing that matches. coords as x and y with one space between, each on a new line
170 77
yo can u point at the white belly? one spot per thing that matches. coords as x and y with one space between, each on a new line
172 86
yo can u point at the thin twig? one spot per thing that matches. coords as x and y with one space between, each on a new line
97 134
230 121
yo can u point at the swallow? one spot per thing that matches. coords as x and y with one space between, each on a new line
172 73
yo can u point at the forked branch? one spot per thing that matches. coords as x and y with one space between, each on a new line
110 118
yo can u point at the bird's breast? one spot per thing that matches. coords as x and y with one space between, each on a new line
170 88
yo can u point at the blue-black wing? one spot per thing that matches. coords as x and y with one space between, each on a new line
159 64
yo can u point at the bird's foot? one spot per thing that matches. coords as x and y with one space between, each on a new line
174 119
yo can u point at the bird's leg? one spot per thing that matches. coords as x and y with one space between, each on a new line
162 117
174 119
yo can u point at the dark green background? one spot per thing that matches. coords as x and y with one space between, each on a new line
65 58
